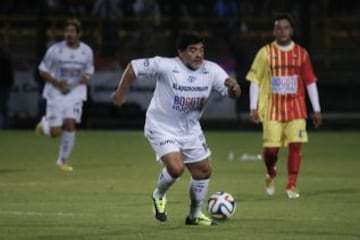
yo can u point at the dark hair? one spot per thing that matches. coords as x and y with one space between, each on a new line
284 16
188 38
73 22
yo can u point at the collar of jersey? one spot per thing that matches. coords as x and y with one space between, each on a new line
285 48
188 69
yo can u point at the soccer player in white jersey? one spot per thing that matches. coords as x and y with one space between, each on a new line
67 68
172 125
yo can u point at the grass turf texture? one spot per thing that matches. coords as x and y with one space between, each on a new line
108 194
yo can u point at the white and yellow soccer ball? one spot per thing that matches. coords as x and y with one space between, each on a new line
221 206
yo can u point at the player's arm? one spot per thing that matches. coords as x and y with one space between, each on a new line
234 90
253 76
313 93
127 78
254 95
61 85
89 70
312 90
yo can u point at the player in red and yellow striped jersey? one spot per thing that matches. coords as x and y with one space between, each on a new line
279 75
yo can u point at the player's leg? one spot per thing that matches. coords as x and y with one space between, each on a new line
168 153
66 144
173 169
51 123
296 135
197 162
72 115
272 137
198 188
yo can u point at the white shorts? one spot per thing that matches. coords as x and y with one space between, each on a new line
56 112
192 147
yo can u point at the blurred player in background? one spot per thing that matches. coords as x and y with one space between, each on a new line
172 126
67 68
279 75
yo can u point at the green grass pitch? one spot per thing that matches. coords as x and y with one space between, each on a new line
108 194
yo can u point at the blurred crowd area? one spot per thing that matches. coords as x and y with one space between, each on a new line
120 30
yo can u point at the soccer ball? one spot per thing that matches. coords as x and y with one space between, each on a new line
221 206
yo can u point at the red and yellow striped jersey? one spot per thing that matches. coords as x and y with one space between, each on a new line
281 74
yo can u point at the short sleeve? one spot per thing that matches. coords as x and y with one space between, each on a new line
49 60
258 67
307 70
90 63
219 79
146 67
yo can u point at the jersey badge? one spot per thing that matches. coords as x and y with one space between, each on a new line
191 78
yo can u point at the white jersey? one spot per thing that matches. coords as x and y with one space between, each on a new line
180 93
70 65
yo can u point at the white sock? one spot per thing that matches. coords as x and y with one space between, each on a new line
44 123
66 146
198 190
164 182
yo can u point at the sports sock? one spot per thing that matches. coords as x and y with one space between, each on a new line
164 182
270 158
294 161
44 123
66 146
198 190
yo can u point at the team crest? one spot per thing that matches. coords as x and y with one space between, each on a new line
191 78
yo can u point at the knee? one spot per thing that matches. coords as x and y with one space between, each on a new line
271 153
69 127
175 171
202 172
206 172
55 132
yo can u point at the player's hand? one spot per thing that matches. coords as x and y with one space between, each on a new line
118 98
85 79
234 89
254 116
62 85
317 119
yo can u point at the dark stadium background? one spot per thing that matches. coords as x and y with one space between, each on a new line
119 31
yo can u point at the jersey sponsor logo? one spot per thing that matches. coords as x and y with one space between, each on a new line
183 88
70 72
188 104
167 141
175 70
284 84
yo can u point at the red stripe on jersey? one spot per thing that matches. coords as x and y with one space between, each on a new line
292 63
283 72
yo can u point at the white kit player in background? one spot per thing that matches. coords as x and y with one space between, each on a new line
184 83
67 68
